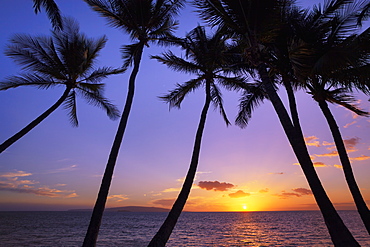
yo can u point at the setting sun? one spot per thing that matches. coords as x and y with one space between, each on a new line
245 207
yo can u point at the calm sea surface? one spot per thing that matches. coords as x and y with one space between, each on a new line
193 229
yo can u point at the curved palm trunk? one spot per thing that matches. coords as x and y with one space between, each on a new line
97 214
339 233
161 237
34 123
347 169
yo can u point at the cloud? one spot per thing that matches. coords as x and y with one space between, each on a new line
276 173
164 202
298 192
319 164
362 157
331 154
325 143
264 190
178 189
117 198
349 124
72 195
302 191
63 169
172 190
10 182
239 194
215 185
351 143
45 191
315 164
15 174
338 166
312 141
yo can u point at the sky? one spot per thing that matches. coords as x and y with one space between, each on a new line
59 167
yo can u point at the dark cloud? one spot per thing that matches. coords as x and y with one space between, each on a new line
351 142
302 191
298 192
239 194
215 185
288 194
319 164
276 173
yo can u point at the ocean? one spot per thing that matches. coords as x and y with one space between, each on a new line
67 228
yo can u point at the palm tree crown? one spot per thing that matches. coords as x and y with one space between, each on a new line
144 20
208 57
65 59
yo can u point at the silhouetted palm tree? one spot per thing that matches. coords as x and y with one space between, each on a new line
207 57
65 59
52 10
335 61
256 25
145 21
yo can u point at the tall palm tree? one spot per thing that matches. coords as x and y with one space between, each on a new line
206 57
256 24
335 62
145 21
66 59
52 10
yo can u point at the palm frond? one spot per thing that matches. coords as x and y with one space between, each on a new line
101 73
176 96
52 10
216 99
129 52
364 14
110 10
93 88
28 80
233 83
177 63
250 99
341 97
71 107
30 53
96 99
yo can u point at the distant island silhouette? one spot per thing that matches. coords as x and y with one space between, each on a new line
129 209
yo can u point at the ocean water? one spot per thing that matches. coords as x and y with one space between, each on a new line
295 228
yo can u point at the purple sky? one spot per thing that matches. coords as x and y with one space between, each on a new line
57 166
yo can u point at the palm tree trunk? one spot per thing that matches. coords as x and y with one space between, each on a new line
97 214
161 237
339 233
347 169
35 122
